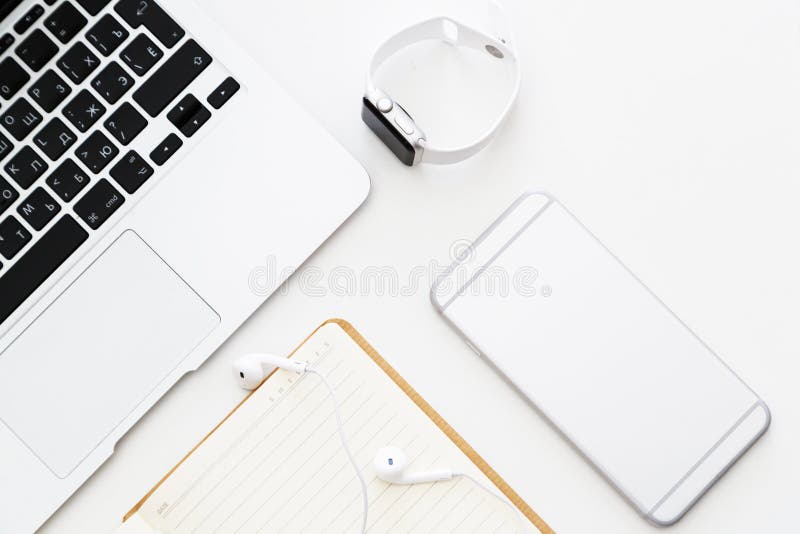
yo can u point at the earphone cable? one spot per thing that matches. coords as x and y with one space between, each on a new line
502 499
346 447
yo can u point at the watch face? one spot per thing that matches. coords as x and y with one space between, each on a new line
387 132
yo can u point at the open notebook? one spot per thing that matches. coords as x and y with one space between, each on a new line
275 464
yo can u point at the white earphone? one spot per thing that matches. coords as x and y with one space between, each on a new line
251 369
390 462
390 465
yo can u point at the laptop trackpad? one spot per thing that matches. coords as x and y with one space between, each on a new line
95 353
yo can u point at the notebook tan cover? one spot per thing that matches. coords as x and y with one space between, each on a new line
467 450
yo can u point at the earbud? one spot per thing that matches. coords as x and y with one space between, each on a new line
251 369
390 464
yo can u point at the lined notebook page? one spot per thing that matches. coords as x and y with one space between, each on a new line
277 465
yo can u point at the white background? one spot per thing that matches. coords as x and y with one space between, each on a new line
671 129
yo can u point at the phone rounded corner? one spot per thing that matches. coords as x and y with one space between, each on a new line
665 522
536 192
767 417
433 294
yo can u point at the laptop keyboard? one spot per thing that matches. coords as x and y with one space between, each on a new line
75 90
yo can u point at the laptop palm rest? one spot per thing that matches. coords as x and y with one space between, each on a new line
97 351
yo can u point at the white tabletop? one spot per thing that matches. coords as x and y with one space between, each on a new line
671 129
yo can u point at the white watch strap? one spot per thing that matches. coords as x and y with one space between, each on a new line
458 34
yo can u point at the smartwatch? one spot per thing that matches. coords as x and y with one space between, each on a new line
395 126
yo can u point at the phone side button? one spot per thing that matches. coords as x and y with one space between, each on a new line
473 348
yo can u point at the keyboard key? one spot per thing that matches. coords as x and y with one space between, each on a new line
28 19
96 151
7 195
155 19
93 7
12 77
5 42
20 119
38 263
54 139
131 172
84 110
25 167
36 50
141 54
78 62
183 110
172 77
38 209
189 115
65 22
112 82
107 35
196 121
5 147
13 236
125 123
99 204
49 90
67 180
166 149
223 93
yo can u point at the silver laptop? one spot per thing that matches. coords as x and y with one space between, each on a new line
156 186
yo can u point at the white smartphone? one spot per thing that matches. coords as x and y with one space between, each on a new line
644 399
